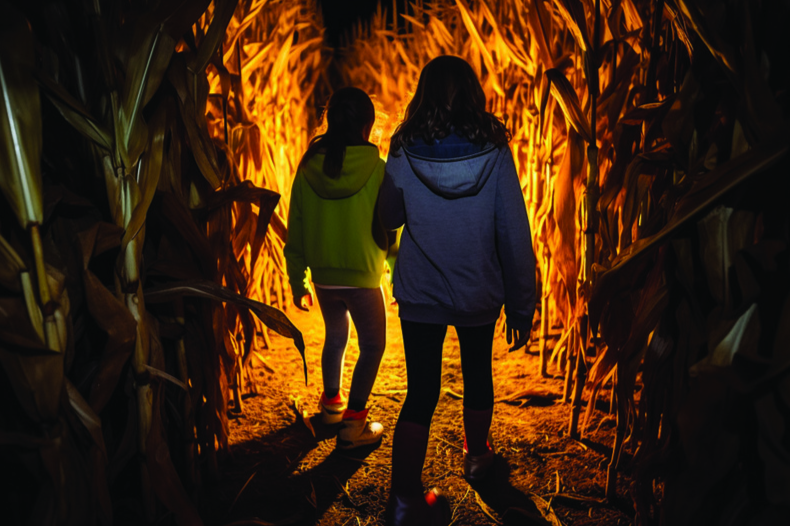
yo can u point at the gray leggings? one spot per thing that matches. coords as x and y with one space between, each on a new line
366 307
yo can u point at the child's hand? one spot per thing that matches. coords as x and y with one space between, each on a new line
305 302
518 338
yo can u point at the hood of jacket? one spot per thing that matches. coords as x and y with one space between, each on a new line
454 177
359 164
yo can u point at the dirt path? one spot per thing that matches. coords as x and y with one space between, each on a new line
279 473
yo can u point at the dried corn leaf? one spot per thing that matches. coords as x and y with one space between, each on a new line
715 42
164 478
114 318
545 509
563 91
223 12
572 12
271 317
200 143
20 120
151 48
538 20
36 377
714 184
150 170
75 113
11 267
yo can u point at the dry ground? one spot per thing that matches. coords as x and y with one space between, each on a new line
278 472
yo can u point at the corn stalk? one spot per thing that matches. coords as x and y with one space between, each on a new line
132 129
20 121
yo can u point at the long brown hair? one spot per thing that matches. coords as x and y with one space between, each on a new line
349 116
449 98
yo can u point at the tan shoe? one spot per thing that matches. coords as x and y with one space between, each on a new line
331 409
357 430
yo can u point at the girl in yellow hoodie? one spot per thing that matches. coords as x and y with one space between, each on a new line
333 229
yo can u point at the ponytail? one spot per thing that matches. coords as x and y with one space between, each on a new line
335 153
348 114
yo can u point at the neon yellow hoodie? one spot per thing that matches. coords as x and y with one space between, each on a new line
331 223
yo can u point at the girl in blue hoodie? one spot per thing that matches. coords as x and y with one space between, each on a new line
465 251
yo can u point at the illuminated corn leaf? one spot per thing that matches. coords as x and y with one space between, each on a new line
572 12
249 17
471 27
271 317
538 20
566 96
568 185
223 12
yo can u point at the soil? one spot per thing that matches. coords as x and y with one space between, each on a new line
280 471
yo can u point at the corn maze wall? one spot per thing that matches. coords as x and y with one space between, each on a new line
144 146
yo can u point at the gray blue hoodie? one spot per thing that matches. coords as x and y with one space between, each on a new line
466 248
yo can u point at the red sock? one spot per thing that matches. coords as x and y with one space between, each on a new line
409 444
476 425
337 399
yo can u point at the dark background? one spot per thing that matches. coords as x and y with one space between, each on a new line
341 15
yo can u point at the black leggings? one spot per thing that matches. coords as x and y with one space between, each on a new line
422 343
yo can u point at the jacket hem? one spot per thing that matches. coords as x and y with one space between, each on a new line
346 277
444 316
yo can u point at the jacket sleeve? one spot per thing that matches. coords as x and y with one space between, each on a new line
514 246
294 245
391 208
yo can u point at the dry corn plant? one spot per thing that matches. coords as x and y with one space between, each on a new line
115 348
630 79
261 107
259 111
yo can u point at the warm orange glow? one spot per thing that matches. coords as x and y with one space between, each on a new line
275 54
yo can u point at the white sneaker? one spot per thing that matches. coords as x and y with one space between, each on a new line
331 409
357 430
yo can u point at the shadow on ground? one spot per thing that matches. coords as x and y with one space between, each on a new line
269 491
512 505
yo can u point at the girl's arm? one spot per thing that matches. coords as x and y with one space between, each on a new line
391 208
514 247
294 248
